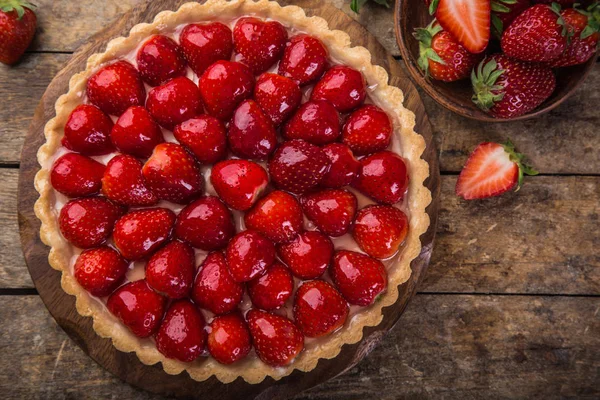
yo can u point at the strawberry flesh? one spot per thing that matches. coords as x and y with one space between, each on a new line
468 21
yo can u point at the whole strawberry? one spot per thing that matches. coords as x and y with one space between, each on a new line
343 86
260 43
316 122
170 271
504 12
206 43
331 210
307 256
249 254
159 60
206 224
174 102
239 183
136 133
383 177
116 87
17 28
278 96
380 230
204 136
319 308
278 216
585 31
88 130
181 335
305 59
123 182
100 270
367 130
271 291
229 338
344 166
75 175
251 133
139 233
358 277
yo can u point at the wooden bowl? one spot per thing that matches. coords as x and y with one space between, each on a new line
456 96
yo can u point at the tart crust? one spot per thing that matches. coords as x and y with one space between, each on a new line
390 98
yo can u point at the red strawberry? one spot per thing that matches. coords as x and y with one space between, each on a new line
260 43
181 335
136 133
585 31
277 216
251 133
466 20
239 183
249 254
139 233
319 309
317 122
380 230
343 86
204 136
331 210
298 166
358 277
307 256
170 271
116 87
229 338
17 28
344 166
123 182
159 60
174 102
367 130
276 339
504 13
278 97
562 3
87 131
100 270
214 289
271 291
140 308
75 175
305 59
172 173
491 170
383 177
205 44
206 224
88 222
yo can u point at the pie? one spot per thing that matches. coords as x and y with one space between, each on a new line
232 190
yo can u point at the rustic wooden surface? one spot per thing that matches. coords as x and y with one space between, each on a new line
510 307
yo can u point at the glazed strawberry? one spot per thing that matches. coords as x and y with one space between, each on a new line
260 43
223 86
204 136
140 308
276 339
383 177
75 175
343 86
123 182
17 28
170 271
87 131
214 289
305 59
466 20
277 96
317 122
584 27
139 233
181 335
380 230
358 277
278 216
206 224
159 60
298 166
331 210
174 102
367 130
171 172
205 44
344 166
239 183
100 271
229 338
307 256
251 133
504 13
136 133
116 87
88 222
319 309
249 254
271 291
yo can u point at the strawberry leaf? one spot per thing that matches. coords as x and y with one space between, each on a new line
16 5
524 169
425 37
433 7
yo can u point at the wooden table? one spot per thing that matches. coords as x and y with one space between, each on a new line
510 307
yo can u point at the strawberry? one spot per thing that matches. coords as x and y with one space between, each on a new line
139 233
181 335
504 13
344 166
343 86
259 43
367 130
383 177
278 97
307 256
305 59
331 210
75 175
358 277
159 60
380 230
317 122
249 254
298 166
491 170
140 308
466 20
206 224
170 271
123 182
276 339
87 131
136 133
562 3
205 44
116 87
174 102
100 271
171 172
585 34
251 133
229 338
271 291
214 289
319 309
17 28
204 136
278 216
507 88
239 183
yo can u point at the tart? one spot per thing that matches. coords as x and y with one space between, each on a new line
232 190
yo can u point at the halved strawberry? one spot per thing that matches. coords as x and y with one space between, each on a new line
358 277
181 335
205 44
139 233
136 133
278 216
116 87
204 136
174 102
249 254
100 270
75 175
343 86
260 43
251 133
380 230
229 338
468 21
331 210
305 59
383 177
367 130
170 271
123 182
159 60
271 291
278 96
307 256
87 131
344 166
319 308
239 183
317 122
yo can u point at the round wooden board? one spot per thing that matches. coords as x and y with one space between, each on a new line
153 378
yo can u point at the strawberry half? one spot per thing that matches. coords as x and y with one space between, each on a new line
181 335
159 60
249 254
319 308
278 216
271 291
260 43
100 270
229 338
123 182
239 183
170 271
17 29
467 20
75 175
116 87
136 133
205 44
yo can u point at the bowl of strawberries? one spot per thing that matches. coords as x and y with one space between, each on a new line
498 60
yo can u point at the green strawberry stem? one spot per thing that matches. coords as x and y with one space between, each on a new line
16 5
593 15
524 169
433 6
425 37
486 92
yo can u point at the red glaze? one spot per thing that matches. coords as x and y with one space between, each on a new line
116 87
305 59
123 182
229 338
317 122
136 133
139 233
170 271
259 43
344 166
159 60
100 271
383 177
319 309
380 230
277 96
307 256
278 216
331 210
271 291
174 102
367 130
358 277
204 136
239 183
251 133
87 131
205 44
181 335
343 86
249 254
206 224
75 175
